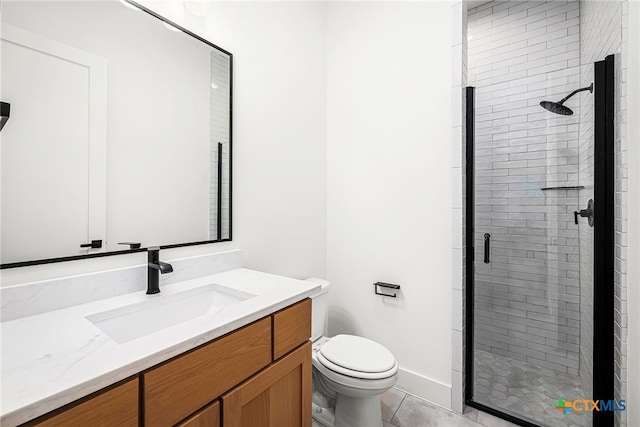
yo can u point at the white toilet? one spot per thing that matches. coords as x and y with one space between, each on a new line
349 373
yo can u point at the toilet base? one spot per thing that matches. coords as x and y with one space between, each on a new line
358 412
349 412
322 416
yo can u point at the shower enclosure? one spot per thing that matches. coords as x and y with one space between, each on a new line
539 217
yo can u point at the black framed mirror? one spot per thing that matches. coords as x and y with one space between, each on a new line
120 132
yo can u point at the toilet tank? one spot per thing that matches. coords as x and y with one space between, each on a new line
319 308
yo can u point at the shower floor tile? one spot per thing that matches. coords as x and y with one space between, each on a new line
523 389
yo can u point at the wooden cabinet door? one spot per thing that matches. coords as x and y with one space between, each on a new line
207 417
279 396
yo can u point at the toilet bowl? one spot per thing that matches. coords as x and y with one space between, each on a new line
349 374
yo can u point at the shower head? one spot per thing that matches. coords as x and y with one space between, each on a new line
558 107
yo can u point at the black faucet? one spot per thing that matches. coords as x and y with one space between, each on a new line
155 266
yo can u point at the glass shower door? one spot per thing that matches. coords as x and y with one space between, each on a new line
539 208
531 176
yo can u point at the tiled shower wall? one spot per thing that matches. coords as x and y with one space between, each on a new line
603 31
527 298
220 73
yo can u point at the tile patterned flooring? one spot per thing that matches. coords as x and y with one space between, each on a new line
404 410
501 382
521 388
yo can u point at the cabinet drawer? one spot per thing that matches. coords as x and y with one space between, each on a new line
117 407
185 384
207 417
291 327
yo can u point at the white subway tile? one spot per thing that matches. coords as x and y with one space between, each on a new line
549 152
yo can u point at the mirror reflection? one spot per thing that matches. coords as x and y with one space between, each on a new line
119 132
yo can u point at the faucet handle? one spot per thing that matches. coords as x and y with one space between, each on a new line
95 244
153 254
132 245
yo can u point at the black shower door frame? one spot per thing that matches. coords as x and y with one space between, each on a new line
603 247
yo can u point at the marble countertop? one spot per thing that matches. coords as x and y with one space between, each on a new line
54 358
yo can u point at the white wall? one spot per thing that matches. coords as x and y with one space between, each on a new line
389 182
279 133
633 267
279 160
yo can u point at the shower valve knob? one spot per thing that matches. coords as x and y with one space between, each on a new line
585 213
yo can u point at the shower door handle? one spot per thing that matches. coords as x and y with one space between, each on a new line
487 248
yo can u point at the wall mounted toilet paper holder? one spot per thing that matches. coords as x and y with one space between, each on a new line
379 285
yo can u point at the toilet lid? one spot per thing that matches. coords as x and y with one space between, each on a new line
358 354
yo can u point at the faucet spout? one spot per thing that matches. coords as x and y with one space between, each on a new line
162 267
155 267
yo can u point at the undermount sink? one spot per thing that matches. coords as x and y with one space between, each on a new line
124 324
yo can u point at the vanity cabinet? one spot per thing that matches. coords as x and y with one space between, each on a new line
115 406
258 375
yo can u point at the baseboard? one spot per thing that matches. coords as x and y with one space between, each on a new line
424 388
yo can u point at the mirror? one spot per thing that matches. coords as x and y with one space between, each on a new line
119 132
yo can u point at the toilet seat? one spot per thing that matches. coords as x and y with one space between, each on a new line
357 357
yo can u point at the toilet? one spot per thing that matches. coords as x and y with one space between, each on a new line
349 373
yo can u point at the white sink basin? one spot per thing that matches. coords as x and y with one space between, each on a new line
133 321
